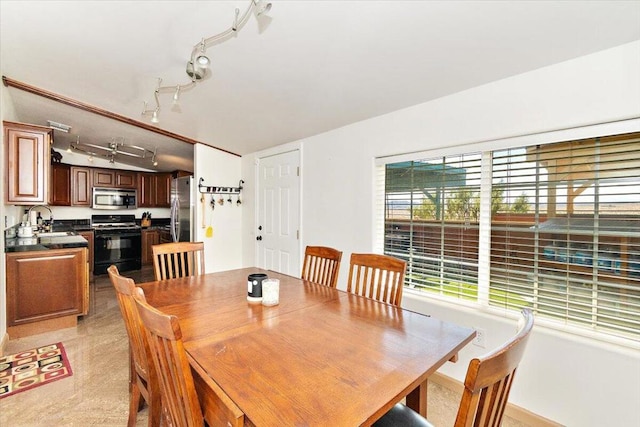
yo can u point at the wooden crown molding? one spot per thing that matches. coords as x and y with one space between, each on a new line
104 113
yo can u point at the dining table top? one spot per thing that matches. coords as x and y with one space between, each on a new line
322 356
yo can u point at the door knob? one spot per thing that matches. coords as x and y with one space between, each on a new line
259 238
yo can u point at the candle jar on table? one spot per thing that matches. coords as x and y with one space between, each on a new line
270 292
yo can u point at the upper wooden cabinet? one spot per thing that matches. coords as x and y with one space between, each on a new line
73 185
154 190
80 186
113 178
126 179
27 164
60 185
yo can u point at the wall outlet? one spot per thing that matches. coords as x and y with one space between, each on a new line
479 340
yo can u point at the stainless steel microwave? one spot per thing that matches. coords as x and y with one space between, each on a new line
114 198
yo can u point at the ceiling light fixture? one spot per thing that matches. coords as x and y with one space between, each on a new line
115 149
199 63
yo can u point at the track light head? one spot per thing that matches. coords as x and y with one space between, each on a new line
261 7
203 61
195 72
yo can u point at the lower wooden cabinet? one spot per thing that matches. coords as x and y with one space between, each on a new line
165 236
44 285
149 238
89 236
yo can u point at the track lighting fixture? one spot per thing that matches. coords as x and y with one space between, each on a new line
199 63
114 149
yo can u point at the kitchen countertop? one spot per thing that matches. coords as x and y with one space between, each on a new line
44 243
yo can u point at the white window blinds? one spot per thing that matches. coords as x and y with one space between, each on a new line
554 227
432 211
565 235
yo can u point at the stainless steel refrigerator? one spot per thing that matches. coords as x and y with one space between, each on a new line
182 209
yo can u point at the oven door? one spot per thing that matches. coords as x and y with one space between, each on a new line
122 249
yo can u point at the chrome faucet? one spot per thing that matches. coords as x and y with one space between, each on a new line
42 206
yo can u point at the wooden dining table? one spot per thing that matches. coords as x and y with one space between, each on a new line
321 357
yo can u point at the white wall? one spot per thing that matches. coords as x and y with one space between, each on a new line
571 380
224 249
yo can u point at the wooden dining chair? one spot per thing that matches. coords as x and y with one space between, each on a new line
142 381
175 379
486 386
178 259
321 265
376 276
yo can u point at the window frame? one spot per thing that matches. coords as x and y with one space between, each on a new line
484 245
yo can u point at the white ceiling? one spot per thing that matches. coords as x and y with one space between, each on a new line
318 65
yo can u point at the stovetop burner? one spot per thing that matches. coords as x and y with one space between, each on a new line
114 222
116 225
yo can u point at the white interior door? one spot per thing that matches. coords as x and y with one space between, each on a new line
279 213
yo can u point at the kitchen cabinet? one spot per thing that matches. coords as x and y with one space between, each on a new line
60 185
27 163
114 178
163 190
88 235
44 287
165 236
149 238
80 186
154 190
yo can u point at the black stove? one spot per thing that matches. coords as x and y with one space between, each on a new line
114 222
118 241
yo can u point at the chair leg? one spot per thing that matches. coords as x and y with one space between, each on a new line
155 409
135 403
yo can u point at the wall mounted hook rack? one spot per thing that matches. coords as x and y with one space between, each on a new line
214 189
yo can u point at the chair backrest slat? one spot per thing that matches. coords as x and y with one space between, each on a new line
378 277
179 259
321 265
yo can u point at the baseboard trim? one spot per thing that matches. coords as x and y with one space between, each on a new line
513 411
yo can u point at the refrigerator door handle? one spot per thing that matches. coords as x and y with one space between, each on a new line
175 220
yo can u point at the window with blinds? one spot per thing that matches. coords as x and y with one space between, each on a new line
432 209
563 224
565 239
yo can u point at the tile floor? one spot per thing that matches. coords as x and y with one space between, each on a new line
97 392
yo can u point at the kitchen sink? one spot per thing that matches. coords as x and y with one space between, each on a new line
53 234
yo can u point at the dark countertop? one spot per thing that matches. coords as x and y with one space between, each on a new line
44 243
